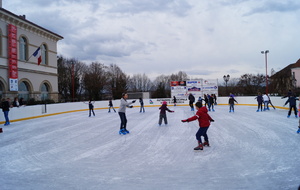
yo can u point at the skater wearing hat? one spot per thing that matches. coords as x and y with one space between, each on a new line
162 114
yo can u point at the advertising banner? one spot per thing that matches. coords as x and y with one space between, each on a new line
12 58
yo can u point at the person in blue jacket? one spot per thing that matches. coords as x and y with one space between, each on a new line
292 101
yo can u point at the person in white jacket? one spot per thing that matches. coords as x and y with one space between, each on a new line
266 102
122 111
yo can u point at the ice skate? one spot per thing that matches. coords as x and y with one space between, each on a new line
199 147
206 143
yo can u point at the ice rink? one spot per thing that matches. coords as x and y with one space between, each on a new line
71 151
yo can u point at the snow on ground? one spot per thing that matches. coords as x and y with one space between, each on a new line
249 150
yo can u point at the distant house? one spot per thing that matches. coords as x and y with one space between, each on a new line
286 79
21 74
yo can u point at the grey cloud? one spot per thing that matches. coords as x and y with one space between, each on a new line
111 45
281 6
176 7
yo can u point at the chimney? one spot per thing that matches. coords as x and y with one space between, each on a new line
0 3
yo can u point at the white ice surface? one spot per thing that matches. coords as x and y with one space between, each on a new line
249 150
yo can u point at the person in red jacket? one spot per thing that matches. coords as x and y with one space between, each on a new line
204 123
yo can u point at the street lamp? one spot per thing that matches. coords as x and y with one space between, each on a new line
226 79
266 52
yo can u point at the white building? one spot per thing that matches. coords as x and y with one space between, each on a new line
20 74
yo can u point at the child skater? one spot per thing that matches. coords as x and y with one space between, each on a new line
91 107
204 122
121 111
162 114
231 104
110 105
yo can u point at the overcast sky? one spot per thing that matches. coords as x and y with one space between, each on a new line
204 38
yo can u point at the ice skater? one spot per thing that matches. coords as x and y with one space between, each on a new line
231 104
266 102
110 105
142 105
5 105
162 113
210 102
122 113
204 120
91 107
259 100
191 101
174 100
292 101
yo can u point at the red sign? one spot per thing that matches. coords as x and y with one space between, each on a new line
12 52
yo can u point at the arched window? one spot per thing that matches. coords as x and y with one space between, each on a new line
24 91
44 54
44 91
23 49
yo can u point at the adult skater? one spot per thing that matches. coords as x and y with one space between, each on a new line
110 105
259 100
91 107
292 100
231 104
266 102
204 120
174 100
5 105
215 98
162 113
142 105
210 102
191 101
205 100
122 111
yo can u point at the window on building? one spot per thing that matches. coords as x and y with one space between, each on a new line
24 91
23 49
44 91
44 54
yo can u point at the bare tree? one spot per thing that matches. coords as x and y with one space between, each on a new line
140 83
94 80
70 73
117 81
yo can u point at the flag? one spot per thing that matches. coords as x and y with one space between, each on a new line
38 54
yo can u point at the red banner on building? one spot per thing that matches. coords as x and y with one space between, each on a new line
12 57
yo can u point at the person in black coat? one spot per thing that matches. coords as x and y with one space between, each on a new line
292 100
142 105
260 100
5 105
191 101
110 105
91 107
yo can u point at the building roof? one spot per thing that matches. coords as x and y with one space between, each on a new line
13 18
297 64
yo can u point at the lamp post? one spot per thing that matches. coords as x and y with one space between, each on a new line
226 79
266 60
73 83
